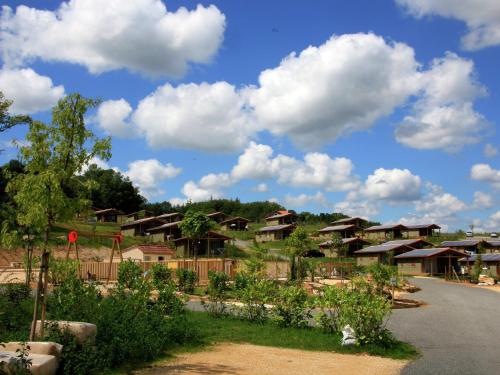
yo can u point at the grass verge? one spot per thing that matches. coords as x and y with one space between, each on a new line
231 329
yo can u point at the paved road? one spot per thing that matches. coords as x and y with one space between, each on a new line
457 333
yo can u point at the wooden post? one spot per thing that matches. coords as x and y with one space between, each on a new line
111 259
44 300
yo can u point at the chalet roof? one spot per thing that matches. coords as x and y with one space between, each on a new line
216 213
152 249
237 218
211 235
423 226
463 243
275 228
108 210
427 253
345 241
348 220
338 228
411 243
165 226
170 214
281 214
134 213
484 258
383 248
494 243
380 228
140 221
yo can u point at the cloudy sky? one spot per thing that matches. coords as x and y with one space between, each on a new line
384 109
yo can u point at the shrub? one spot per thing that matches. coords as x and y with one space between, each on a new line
186 279
358 307
381 275
60 270
218 286
160 275
72 299
16 309
241 281
254 297
330 302
291 307
20 365
129 274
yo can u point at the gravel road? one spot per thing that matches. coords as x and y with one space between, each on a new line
458 332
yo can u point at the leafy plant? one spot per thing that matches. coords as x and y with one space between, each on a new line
129 274
291 307
186 279
20 365
218 287
60 270
254 296
160 275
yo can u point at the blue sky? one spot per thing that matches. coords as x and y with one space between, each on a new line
383 109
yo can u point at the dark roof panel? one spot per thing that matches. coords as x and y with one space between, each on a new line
425 253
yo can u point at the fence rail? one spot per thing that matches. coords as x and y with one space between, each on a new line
100 270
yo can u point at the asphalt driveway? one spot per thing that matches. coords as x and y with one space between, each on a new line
458 332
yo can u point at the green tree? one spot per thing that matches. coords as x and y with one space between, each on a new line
8 121
195 226
341 250
298 243
112 189
56 154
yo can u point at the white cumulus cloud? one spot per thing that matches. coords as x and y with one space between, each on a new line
490 151
147 175
113 115
29 91
443 116
482 200
209 117
393 185
485 173
302 200
481 16
328 91
138 35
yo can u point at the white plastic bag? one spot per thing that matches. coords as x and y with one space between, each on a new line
348 336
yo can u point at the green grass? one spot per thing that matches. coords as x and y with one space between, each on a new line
228 329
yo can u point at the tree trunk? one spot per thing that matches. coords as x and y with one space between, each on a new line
41 293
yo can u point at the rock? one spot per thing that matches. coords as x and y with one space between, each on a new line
486 280
44 356
83 332
348 336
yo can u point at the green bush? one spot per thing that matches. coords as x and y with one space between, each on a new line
218 287
254 297
129 274
381 275
359 307
60 270
16 309
186 280
241 280
160 275
291 307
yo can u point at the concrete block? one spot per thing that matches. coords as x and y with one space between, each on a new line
44 356
83 332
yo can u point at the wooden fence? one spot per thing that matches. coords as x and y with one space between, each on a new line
100 270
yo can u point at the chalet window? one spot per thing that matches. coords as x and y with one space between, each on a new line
147 258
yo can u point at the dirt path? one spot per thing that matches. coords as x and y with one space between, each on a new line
252 359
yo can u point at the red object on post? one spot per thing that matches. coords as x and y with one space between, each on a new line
118 237
72 236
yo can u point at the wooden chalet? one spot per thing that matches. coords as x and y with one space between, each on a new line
423 230
380 254
147 253
353 244
142 214
171 217
235 223
140 227
416 243
490 262
345 231
282 217
358 221
386 232
473 246
110 215
274 232
435 261
166 232
209 246
218 216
